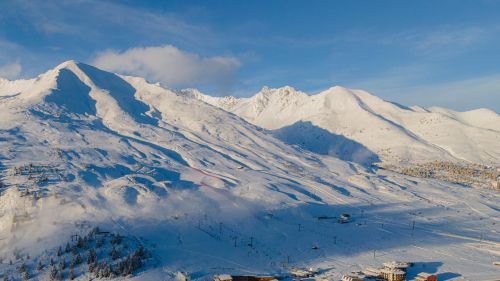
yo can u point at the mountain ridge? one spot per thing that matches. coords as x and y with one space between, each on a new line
339 109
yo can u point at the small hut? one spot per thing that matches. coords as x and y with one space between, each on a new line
344 218
372 272
303 273
223 277
352 277
423 276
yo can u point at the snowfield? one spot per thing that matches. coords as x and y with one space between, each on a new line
360 127
219 189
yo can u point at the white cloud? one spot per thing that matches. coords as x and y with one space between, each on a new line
11 71
171 66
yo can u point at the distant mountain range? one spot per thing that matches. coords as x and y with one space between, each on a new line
357 126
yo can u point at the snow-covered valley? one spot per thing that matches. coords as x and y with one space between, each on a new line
244 186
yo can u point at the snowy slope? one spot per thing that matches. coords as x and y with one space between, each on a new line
368 126
207 192
136 143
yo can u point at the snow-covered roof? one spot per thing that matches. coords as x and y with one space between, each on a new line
223 277
396 264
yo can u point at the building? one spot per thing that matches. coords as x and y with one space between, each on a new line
303 273
182 276
423 276
223 277
403 266
344 218
360 276
227 277
496 184
393 274
354 276
252 278
372 272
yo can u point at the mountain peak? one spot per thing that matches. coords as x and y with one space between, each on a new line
286 94
285 90
69 64
339 90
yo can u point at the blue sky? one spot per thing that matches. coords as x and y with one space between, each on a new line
444 53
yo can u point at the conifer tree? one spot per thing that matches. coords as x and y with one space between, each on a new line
71 275
62 264
39 265
53 273
92 256
99 243
79 242
25 275
114 254
22 268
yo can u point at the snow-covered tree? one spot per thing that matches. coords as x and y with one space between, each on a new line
71 275
25 275
62 265
114 254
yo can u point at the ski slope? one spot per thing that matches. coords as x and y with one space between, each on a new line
208 192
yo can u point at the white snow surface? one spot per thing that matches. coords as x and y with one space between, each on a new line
368 127
210 193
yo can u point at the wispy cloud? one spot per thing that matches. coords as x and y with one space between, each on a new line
448 37
409 85
171 66
8 50
465 94
442 38
92 18
11 70
45 33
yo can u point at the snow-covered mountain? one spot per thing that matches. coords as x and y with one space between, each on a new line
357 126
205 191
